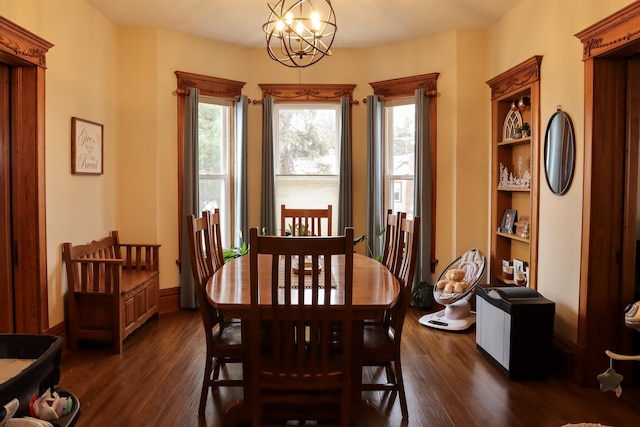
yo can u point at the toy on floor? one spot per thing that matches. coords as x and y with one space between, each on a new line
610 380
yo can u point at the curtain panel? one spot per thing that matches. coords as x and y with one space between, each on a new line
345 196
375 171
190 194
423 197
268 201
241 220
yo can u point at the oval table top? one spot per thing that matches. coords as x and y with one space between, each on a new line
375 288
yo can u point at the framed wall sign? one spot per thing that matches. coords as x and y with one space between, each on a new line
86 147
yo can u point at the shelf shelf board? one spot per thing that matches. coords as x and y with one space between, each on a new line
508 142
512 237
506 281
514 189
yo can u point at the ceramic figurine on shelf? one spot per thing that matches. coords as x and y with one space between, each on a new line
508 180
519 166
525 231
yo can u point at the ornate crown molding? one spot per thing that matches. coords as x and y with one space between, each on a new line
516 77
23 44
612 32
210 86
406 86
307 92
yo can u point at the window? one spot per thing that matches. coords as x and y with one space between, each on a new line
307 156
215 94
397 148
399 157
215 142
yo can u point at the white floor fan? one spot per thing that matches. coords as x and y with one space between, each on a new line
457 314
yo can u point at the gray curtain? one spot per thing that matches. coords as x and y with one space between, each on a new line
345 199
268 202
189 194
375 171
240 167
423 197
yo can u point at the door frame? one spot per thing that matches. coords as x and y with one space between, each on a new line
25 55
609 199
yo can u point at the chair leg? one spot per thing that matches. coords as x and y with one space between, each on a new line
389 371
216 369
206 384
400 386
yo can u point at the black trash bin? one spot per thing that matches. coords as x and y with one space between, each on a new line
515 330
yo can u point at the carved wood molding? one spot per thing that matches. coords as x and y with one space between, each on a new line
209 86
516 77
23 44
611 33
406 86
307 92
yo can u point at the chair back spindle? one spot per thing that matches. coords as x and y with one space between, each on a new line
305 222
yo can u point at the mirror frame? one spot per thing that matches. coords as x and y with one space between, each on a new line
559 152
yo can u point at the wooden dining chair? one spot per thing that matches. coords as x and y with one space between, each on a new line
300 373
305 222
391 249
223 339
215 253
216 257
381 341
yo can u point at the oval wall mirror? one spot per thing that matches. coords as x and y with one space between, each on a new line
559 152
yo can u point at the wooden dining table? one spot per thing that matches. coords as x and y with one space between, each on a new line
375 289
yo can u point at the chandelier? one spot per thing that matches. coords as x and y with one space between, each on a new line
300 32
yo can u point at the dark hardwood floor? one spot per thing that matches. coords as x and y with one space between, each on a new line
157 380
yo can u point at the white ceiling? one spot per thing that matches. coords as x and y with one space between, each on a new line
361 23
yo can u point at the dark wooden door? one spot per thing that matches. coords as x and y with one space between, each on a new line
7 323
631 292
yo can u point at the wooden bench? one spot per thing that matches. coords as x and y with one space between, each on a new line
110 295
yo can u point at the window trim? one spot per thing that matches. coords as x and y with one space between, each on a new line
313 94
209 86
307 105
405 87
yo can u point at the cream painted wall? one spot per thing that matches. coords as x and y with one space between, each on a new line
187 53
547 27
124 78
81 81
138 140
441 54
473 155
130 73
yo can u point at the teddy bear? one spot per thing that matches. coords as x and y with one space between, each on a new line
453 282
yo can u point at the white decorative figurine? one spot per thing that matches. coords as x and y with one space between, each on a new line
508 180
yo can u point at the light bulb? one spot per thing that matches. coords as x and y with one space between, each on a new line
279 25
299 27
288 18
315 21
